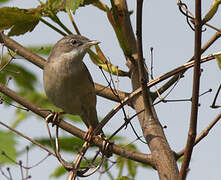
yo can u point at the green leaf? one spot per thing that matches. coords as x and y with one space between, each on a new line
87 162
20 116
7 145
124 178
120 165
212 11
73 118
3 1
218 59
105 64
106 168
122 162
75 4
41 50
67 144
117 139
19 20
24 80
22 77
180 159
54 5
132 168
59 171
61 5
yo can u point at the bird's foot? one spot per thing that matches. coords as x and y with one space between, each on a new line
106 146
88 135
53 117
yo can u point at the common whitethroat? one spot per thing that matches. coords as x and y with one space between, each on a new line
67 81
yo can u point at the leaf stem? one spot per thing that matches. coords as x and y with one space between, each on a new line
53 27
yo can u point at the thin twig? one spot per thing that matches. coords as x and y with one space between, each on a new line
195 93
72 21
149 85
214 101
125 124
53 27
26 137
168 84
115 92
27 161
162 99
127 153
6 64
203 134
142 73
58 21
20 164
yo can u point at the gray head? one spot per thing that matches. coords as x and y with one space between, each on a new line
71 47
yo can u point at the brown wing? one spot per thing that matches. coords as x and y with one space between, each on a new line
89 75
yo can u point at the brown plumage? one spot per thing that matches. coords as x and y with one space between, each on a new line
67 81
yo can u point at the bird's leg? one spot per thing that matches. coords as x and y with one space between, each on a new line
106 146
75 172
89 134
53 117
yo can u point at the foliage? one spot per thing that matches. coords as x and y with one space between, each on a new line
20 21
41 50
131 165
7 146
124 178
67 144
25 20
58 172
218 60
212 11
3 1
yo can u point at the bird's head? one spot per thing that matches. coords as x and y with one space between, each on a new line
72 47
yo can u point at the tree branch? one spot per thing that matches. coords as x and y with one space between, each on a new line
203 134
168 84
195 93
98 141
152 129
28 138
142 73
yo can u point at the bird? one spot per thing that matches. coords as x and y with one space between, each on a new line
67 81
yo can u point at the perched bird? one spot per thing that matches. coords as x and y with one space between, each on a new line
67 81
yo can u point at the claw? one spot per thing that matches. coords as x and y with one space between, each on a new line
53 117
106 146
88 135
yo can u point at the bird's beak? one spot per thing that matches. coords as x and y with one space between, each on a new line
91 43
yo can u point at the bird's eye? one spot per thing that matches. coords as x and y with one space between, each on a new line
73 41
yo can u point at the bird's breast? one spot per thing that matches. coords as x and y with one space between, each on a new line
66 84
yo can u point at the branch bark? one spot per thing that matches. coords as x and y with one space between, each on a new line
98 141
168 84
152 129
195 93
203 134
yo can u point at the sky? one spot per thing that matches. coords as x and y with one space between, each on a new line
165 29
